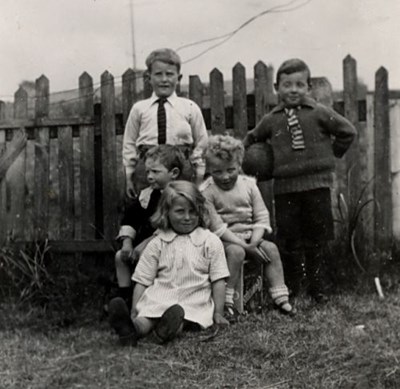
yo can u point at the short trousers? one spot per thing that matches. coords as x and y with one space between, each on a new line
305 216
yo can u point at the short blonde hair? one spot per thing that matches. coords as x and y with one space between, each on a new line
225 147
165 55
172 191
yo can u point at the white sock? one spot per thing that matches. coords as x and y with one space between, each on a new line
229 292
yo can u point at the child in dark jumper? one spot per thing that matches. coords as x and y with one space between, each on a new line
305 137
163 164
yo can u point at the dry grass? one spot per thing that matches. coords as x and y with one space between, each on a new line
320 348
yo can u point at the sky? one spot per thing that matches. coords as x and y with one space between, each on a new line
63 38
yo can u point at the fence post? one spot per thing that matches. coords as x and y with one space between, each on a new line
129 93
21 104
3 209
87 166
2 110
240 123
15 178
41 173
217 102
196 90
261 88
352 157
109 158
383 183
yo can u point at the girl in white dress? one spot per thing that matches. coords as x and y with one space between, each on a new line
180 275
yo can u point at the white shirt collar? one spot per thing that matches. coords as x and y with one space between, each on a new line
170 99
197 236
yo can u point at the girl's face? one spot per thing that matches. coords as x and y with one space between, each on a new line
182 216
224 173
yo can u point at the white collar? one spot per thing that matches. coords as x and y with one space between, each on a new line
170 99
197 236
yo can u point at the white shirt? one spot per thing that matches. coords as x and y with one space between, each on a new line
179 269
185 126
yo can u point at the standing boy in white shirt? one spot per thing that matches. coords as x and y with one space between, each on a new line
164 118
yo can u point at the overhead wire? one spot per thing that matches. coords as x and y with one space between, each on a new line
286 7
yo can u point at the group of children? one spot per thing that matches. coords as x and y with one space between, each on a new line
184 239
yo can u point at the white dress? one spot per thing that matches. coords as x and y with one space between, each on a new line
179 269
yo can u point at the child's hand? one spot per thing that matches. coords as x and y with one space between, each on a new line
255 250
130 189
220 320
126 250
134 313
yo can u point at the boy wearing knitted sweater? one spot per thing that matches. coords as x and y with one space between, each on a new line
238 201
305 137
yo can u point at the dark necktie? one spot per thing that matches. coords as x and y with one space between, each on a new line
162 121
295 129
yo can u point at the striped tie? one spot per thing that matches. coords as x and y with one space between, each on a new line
162 121
295 130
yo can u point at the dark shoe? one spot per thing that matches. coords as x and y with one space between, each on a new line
170 323
319 297
121 322
285 308
231 313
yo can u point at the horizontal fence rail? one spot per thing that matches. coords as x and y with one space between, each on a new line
67 183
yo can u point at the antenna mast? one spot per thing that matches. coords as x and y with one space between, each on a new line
132 35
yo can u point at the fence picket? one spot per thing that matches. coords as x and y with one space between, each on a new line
240 123
196 90
110 193
217 103
66 174
3 209
383 184
87 166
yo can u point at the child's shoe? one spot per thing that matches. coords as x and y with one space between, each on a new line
231 313
170 324
285 308
121 322
280 297
319 297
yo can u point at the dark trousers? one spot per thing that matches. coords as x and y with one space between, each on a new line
304 226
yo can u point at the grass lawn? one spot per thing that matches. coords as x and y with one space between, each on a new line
351 342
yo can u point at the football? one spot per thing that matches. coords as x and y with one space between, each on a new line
258 161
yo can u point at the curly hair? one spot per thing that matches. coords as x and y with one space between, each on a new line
176 189
165 55
225 147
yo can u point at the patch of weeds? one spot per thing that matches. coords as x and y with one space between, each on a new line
58 290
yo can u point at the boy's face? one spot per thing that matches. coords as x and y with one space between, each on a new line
158 176
224 173
164 78
292 88
183 216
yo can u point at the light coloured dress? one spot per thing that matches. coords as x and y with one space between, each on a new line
179 269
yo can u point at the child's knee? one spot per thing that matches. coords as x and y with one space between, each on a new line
235 254
118 258
271 250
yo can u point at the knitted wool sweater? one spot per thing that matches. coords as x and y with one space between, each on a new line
326 133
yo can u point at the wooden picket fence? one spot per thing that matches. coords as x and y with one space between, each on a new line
67 185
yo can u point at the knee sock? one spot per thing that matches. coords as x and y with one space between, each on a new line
279 294
229 292
126 293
